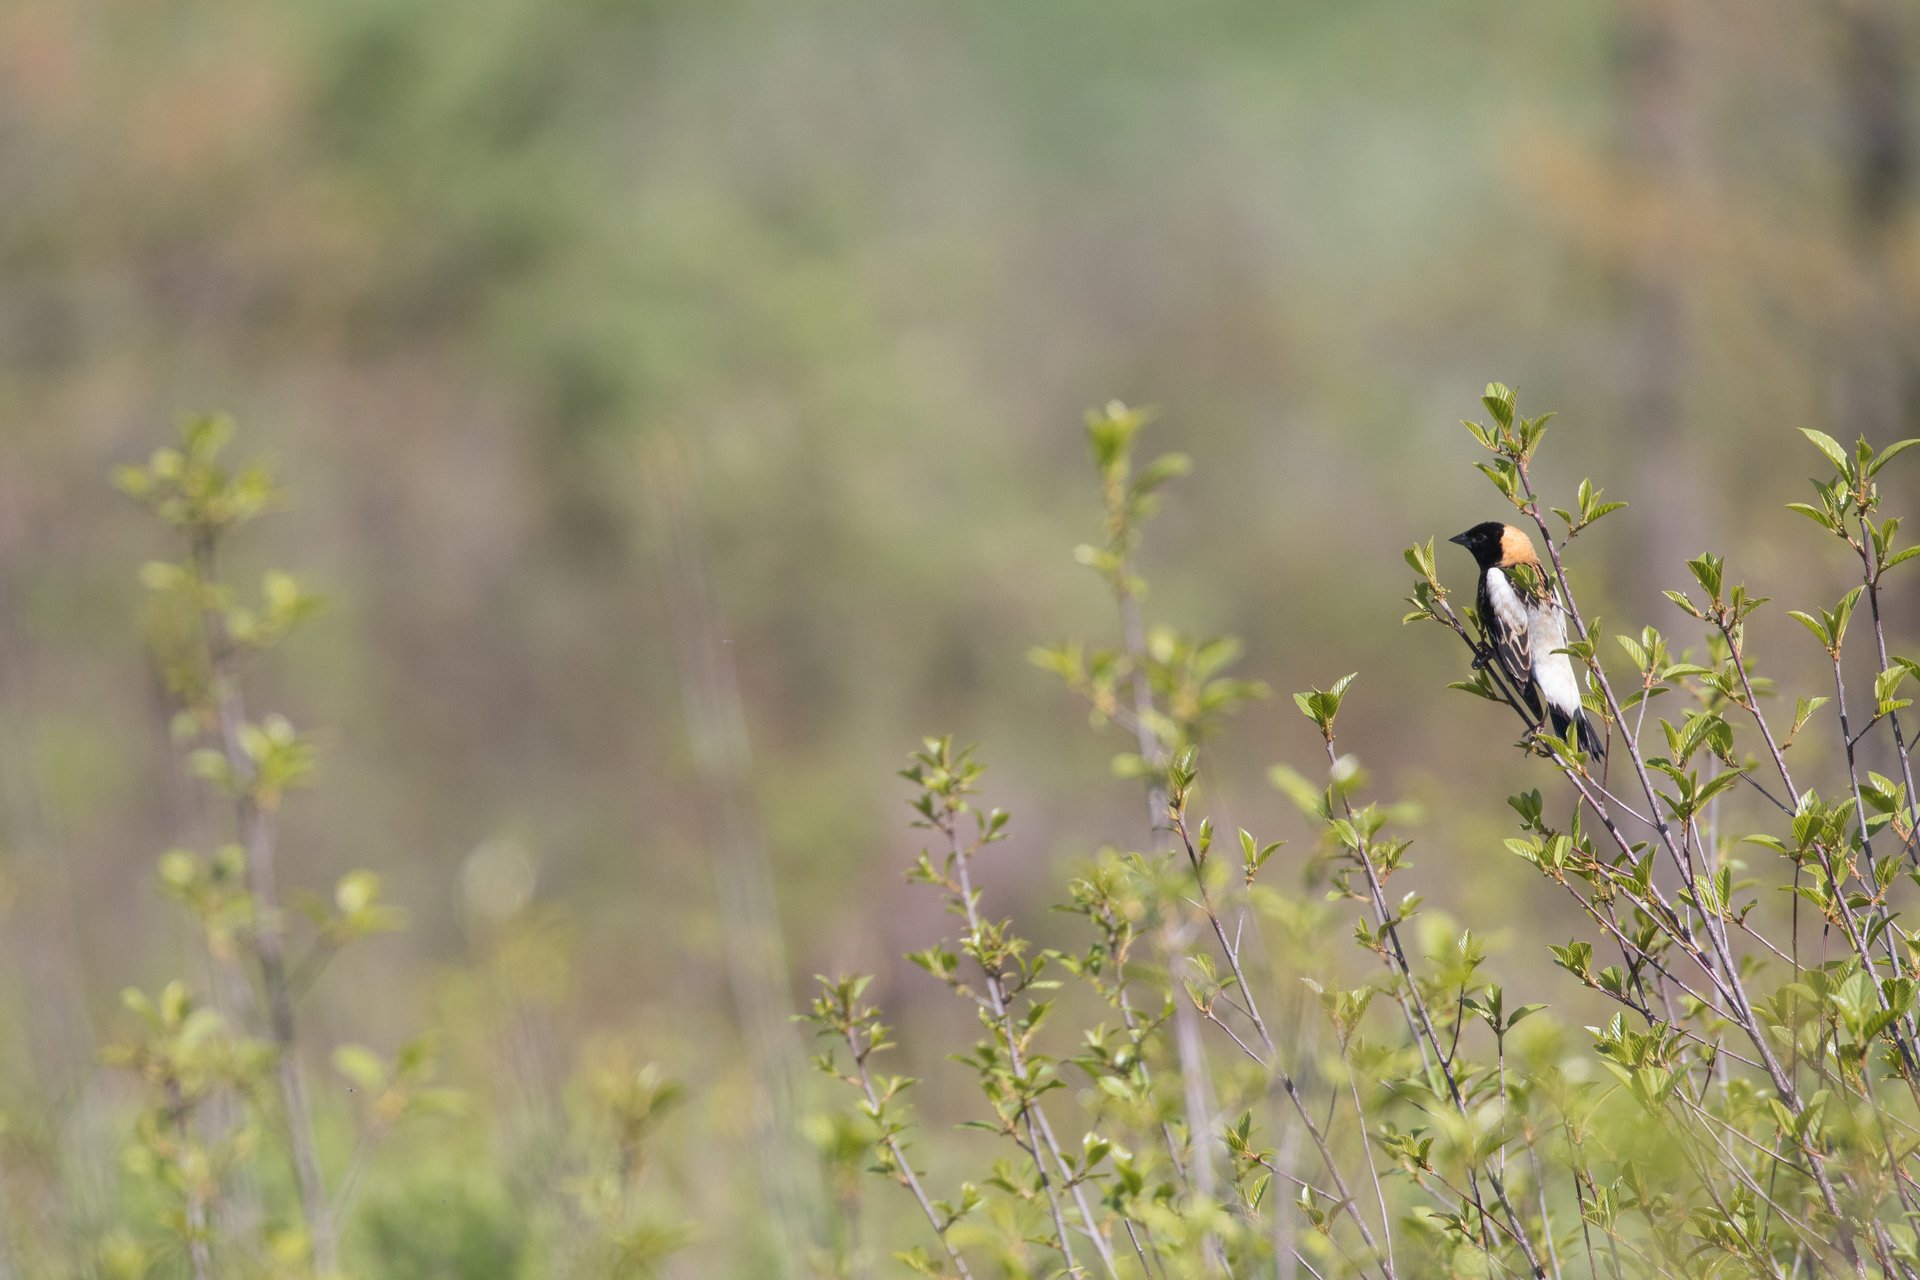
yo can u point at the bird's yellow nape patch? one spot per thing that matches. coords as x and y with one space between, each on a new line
1515 548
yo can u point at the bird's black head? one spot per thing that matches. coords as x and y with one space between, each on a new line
1487 542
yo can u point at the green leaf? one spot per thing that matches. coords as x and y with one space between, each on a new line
1680 599
179 869
1308 798
1713 788
1831 447
1499 399
1709 571
1899 557
1813 513
205 435
1520 848
1812 624
360 1065
209 765
356 892
1887 455
1505 478
1419 558
1168 466
135 482
1524 1011
1803 712
1887 683
1836 621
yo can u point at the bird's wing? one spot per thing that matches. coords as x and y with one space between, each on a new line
1505 616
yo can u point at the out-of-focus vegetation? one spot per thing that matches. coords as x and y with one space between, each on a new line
680 401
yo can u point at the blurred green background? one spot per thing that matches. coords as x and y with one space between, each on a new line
629 356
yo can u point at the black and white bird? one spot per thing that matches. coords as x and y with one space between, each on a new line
1525 624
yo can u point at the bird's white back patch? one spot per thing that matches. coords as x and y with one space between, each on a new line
1552 672
1507 607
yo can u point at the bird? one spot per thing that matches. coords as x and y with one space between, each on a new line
1527 628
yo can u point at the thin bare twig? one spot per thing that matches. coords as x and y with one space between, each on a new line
257 832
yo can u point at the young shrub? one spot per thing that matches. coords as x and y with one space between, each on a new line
1216 1090
252 1058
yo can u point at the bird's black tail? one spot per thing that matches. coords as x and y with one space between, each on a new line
1588 740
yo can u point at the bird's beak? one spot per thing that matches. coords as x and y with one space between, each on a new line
1459 538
